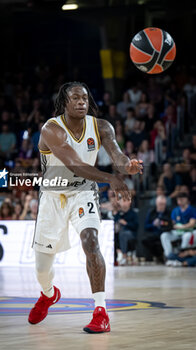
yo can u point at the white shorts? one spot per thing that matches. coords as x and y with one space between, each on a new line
54 214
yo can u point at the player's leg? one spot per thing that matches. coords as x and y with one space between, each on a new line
96 271
50 294
84 216
51 237
45 272
95 264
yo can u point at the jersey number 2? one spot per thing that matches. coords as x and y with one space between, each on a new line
91 205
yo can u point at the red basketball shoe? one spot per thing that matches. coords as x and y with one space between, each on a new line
100 322
40 310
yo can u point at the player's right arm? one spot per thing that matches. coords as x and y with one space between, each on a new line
54 138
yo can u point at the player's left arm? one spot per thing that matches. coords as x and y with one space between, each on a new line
124 164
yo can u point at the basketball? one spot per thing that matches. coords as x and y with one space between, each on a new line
152 50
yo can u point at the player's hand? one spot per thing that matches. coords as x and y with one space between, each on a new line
120 188
134 166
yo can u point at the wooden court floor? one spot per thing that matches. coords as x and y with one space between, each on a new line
157 310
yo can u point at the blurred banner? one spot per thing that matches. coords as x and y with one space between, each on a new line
113 64
16 240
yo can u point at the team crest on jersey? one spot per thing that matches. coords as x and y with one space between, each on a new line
91 144
81 212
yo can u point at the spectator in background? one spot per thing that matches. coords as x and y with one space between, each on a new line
150 118
111 207
169 115
141 109
104 107
21 103
192 149
35 166
18 167
112 115
21 124
192 185
170 180
154 133
17 211
35 114
35 137
155 94
103 189
157 221
190 87
186 258
169 120
138 134
184 189
134 95
6 211
119 134
171 95
129 149
6 118
30 209
184 167
129 121
126 223
160 192
26 149
184 220
7 142
160 144
123 105
147 155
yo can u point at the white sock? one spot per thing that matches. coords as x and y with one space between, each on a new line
49 293
99 298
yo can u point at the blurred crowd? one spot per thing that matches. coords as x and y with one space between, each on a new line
153 121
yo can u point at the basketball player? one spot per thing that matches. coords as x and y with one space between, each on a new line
68 145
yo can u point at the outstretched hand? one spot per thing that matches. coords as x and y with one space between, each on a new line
134 166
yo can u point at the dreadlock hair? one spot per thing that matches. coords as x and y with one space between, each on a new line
62 99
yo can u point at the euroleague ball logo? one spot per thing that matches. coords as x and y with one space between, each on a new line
90 144
152 50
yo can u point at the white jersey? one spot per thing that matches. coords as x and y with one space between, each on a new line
87 148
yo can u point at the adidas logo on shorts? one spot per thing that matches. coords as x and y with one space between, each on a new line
49 246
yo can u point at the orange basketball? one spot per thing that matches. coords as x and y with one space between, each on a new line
152 50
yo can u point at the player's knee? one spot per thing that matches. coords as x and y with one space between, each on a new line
89 238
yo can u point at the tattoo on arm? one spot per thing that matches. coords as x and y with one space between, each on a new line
108 141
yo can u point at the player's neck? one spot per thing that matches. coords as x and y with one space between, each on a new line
75 125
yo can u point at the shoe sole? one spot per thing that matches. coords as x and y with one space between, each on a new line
88 330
